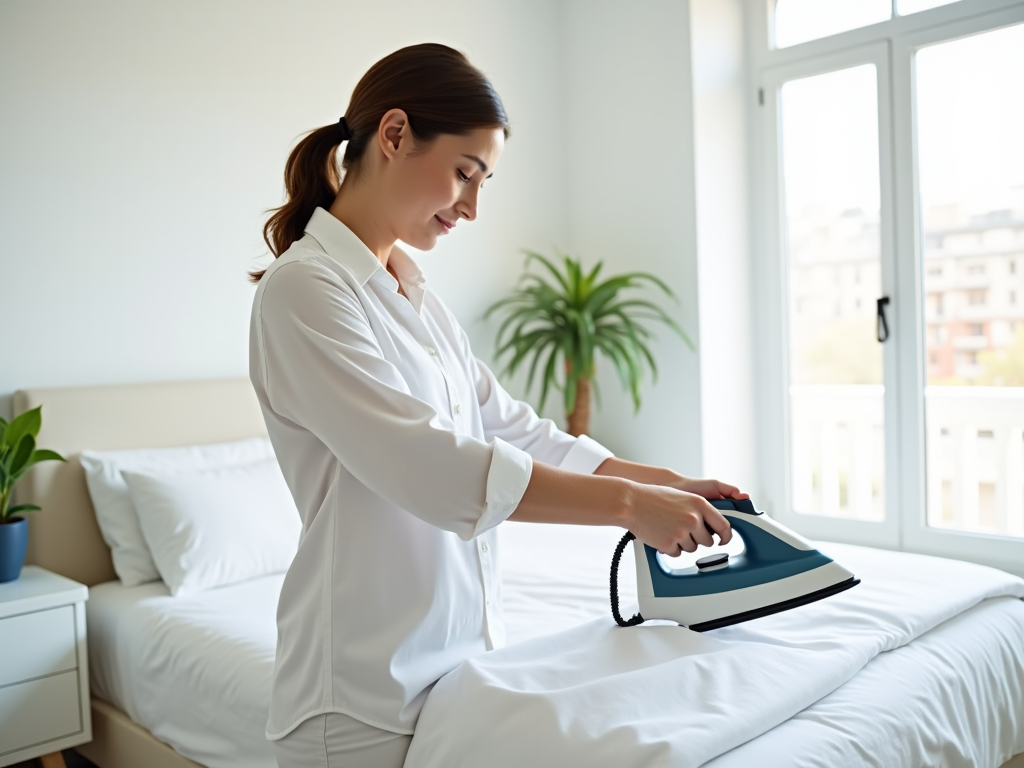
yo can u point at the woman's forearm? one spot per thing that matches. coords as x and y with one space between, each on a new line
660 507
639 473
559 496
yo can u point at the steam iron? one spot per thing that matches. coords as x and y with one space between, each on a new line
778 570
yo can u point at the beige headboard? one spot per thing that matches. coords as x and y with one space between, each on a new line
64 536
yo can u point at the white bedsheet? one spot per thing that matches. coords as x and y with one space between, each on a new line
662 695
196 671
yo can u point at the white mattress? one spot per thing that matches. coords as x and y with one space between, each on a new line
196 671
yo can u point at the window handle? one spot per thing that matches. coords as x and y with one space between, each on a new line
881 324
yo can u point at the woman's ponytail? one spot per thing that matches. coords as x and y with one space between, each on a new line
311 179
440 92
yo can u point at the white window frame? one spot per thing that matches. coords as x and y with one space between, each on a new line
890 46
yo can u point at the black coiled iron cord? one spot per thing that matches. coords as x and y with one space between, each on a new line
614 585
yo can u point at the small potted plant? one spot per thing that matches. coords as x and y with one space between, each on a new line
18 453
573 317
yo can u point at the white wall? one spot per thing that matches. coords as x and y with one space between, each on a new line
629 128
723 101
140 144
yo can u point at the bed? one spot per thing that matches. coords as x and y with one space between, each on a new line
217 647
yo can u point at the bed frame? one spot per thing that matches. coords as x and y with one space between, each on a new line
65 538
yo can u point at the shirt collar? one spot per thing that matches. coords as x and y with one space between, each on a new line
342 245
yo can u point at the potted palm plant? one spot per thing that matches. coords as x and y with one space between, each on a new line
569 315
18 454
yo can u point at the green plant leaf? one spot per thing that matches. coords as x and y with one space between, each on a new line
22 508
629 307
20 456
548 379
538 352
3 434
569 393
27 423
36 457
523 347
617 353
533 255
43 454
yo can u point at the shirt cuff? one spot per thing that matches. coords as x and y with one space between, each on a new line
585 456
507 479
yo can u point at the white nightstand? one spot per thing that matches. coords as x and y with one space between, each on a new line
44 669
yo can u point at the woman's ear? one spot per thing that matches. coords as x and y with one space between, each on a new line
392 132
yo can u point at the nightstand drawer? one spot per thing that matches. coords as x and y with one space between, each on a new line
39 711
37 644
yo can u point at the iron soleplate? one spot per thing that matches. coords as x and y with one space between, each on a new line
768 610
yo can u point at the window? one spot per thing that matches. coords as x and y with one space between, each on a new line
797 21
905 7
970 108
830 159
977 298
891 148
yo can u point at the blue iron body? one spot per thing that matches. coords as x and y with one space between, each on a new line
777 570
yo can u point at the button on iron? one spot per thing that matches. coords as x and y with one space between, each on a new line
721 558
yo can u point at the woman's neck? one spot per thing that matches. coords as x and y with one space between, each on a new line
357 209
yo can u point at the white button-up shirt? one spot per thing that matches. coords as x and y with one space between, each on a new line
403 453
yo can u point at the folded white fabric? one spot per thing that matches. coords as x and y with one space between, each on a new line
113 503
209 527
665 696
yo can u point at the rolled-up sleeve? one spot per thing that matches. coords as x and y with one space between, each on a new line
324 370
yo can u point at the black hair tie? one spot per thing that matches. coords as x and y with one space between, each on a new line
343 130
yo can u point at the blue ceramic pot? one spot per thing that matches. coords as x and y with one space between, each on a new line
13 544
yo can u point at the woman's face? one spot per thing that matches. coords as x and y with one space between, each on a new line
431 187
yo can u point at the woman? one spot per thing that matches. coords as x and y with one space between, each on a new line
402 451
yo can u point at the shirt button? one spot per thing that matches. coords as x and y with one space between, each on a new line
458 408
483 547
432 352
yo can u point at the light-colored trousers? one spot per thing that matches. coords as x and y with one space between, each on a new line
333 740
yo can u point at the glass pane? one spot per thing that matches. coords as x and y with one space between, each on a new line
905 7
970 135
832 249
797 21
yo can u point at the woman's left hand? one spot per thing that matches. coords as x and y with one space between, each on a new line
708 488
649 475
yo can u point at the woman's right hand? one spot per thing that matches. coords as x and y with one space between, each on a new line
673 521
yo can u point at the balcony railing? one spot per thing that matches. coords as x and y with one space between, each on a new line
975 454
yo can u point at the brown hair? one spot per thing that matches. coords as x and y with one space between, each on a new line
437 88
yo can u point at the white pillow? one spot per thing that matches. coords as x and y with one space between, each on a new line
209 527
113 503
